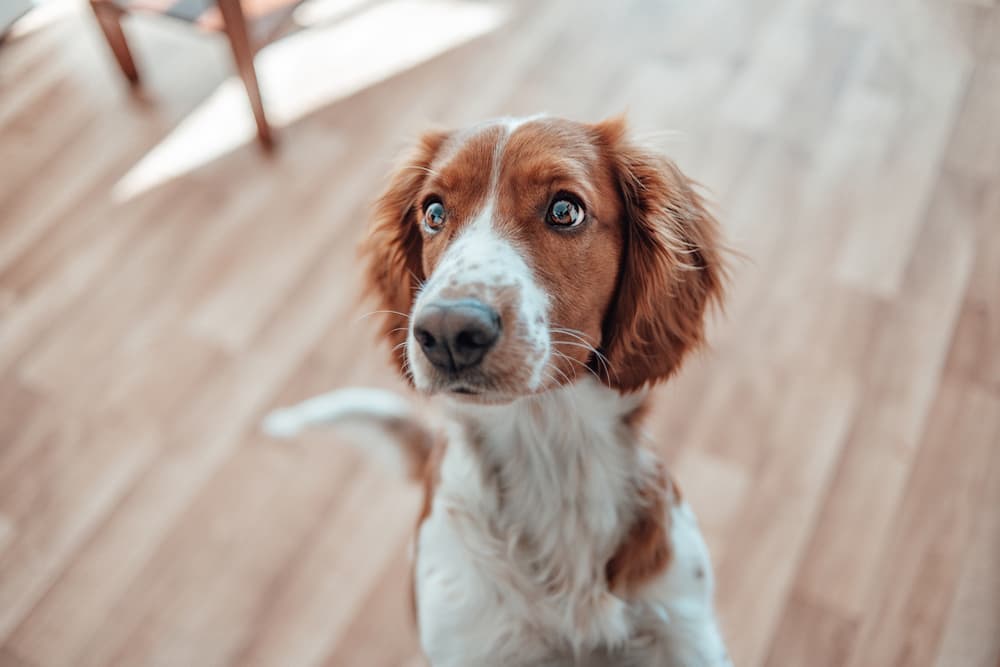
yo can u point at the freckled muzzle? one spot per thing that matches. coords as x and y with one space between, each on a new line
479 326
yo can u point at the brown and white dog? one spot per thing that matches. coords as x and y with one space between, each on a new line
538 275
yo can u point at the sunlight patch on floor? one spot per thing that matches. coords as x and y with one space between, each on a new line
42 15
311 69
315 12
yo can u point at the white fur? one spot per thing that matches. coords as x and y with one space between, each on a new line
360 414
510 562
336 406
482 257
684 594
511 123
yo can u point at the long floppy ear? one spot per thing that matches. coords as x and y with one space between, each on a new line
672 265
393 247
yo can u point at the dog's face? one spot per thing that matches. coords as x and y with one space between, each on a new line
516 255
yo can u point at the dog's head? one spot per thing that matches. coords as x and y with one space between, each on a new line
513 256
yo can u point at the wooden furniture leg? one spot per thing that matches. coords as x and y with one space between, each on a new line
235 26
109 17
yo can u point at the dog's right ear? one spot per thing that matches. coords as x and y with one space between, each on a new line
393 247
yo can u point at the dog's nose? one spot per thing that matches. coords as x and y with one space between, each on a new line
456 335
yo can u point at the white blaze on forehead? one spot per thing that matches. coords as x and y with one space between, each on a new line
506 125
510 125
513 123
483 258
480 254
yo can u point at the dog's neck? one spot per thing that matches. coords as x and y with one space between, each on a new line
564 467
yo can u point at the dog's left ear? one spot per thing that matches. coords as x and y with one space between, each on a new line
393 247
672 264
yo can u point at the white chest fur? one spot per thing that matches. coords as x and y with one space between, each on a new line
532 501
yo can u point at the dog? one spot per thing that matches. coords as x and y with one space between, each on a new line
537 276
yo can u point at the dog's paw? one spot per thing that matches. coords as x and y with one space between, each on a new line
284 423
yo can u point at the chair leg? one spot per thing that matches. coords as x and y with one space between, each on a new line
109 18
235 26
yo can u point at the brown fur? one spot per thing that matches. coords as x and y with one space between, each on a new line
673 268
578 269
393 247
429 476
635 282
645 551
633 420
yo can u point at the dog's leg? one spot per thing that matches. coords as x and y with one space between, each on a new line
378 419
681 601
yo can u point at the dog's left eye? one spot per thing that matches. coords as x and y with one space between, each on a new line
565 212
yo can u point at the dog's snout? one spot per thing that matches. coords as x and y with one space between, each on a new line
456 335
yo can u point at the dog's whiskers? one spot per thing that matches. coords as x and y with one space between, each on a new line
597 355
383 312
561 372
584 344
576 361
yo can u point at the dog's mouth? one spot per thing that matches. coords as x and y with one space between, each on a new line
465 392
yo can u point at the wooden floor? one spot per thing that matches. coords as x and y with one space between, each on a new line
841 441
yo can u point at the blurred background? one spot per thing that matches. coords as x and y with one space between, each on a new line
165 279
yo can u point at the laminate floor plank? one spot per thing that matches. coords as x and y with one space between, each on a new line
161 289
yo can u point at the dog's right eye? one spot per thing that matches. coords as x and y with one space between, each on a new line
565 211
434 215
